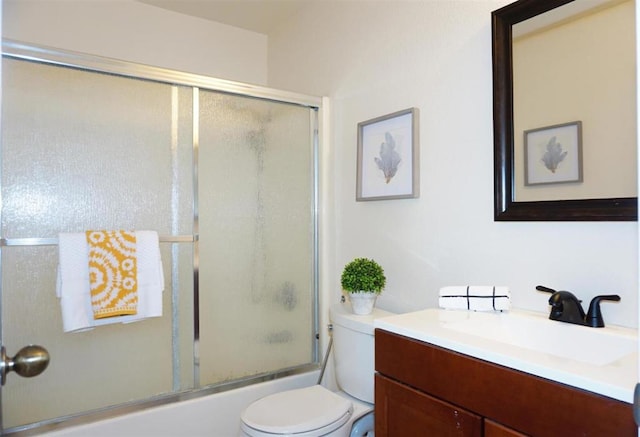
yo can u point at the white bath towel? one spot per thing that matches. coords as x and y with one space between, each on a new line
150 274
72 285
475 298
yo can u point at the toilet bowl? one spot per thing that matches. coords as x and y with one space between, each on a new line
312 411
316 411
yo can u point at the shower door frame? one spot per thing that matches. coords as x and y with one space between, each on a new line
90 63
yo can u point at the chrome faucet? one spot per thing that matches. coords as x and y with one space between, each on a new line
566 307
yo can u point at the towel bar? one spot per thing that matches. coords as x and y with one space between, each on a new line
54 241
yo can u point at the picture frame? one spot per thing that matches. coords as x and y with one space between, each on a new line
553 154
388 157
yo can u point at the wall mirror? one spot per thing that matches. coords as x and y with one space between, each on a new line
564 84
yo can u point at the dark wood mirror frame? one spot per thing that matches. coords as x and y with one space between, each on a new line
505 206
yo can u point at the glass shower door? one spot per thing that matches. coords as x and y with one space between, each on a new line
228 179
256 228
81 151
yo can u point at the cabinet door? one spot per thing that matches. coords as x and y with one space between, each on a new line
402 411
493 429
516 399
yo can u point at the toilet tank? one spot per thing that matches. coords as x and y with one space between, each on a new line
353 350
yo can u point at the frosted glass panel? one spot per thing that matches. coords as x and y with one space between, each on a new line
256 283
88 370
82 150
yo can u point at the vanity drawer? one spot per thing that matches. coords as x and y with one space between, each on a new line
403 411
523 402
493 429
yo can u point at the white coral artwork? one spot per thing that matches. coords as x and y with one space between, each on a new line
386 163
554 155
388 160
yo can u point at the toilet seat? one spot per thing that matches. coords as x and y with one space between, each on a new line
311 411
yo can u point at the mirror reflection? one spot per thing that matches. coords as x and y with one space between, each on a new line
574 103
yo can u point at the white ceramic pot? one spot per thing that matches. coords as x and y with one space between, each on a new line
362 303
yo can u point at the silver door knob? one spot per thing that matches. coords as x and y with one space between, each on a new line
29 361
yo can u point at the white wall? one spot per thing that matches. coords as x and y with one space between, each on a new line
140 33
373 58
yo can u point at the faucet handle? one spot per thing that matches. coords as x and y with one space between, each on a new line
557 296
594 314
545 289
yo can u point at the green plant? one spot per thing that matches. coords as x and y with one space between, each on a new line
363 275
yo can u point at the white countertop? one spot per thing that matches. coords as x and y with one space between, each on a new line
600 360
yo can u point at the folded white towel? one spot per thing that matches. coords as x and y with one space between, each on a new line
72 285
475 298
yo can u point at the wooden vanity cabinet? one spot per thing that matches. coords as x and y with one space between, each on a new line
422 389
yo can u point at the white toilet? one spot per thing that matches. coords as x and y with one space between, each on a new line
315 411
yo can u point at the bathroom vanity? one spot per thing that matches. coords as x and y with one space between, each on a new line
430 380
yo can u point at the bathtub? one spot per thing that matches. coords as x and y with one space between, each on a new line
216 415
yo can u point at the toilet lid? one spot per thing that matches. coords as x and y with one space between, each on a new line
296 411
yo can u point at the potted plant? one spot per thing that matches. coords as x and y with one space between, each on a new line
363 280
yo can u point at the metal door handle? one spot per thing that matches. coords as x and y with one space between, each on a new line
29 361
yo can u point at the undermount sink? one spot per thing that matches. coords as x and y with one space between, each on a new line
597 346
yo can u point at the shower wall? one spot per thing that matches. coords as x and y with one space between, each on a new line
227 180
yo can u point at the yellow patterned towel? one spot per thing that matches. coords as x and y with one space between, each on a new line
113 275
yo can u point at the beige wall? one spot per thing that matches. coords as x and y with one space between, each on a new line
136 32
583 69
373 58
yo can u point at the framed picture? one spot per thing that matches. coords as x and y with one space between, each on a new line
387 165
553 154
